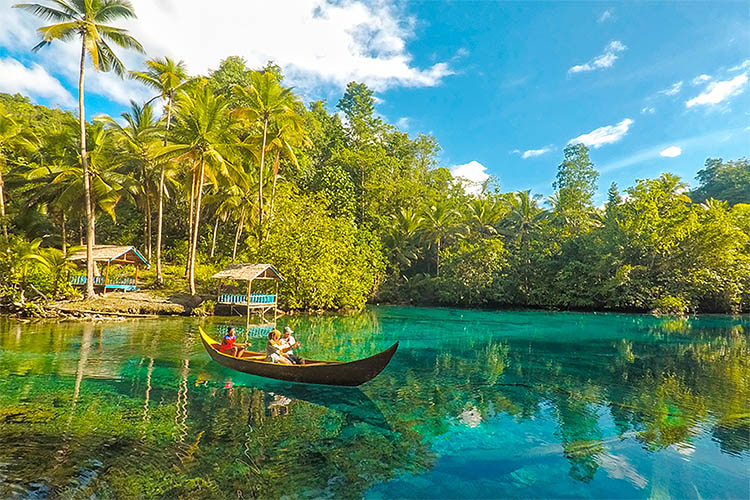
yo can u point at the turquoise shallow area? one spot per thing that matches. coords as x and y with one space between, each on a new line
474 404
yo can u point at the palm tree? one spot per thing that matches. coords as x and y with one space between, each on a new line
85 19
12 137
267 102
204 132
288 133
168 77
524 219
441 222
138 142
484 215
401 235
525 216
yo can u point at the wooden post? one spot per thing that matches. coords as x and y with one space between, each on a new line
276 301
247 302
106 278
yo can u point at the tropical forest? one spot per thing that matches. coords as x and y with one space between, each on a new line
233 166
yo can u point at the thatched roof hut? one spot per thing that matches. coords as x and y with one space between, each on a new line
249 272
112 254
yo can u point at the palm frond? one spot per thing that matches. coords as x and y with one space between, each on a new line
114 9
45 12
120 37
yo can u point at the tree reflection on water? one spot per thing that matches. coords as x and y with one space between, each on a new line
138 410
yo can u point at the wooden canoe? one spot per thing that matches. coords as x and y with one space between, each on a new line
311 371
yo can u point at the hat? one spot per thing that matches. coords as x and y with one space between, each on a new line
288 330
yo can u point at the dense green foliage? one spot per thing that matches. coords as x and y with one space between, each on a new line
355 209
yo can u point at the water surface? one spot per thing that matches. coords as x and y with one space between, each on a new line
473 405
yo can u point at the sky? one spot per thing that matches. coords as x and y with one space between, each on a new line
650 87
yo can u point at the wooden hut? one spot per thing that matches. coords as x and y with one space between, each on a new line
106 255
263 303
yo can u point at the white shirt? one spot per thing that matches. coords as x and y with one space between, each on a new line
288 342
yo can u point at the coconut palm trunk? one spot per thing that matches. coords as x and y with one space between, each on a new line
238 233
2 206
86 184
190 223
213 240
64 235
260 183
273 189
160 216
196 226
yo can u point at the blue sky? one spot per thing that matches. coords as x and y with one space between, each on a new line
504 86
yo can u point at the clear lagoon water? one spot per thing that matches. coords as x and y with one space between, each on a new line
473 405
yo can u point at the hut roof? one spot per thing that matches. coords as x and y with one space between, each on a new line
247 272
114 254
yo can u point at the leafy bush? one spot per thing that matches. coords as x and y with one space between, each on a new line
671 305
327 262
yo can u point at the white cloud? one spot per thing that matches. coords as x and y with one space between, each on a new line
531 153
671 152
700 141
717 92
604 60
701 79
604 135
742 66
606 15
403 123
473 172
648 110
325 43
673 90
33 81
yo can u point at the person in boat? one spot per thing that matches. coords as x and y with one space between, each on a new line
275 350
288 341
230 346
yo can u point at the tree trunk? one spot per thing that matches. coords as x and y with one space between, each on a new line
64 237
190 222
213 240
260 184
148 221
160 216
2 205
437 259
238 233
196 226
86 184
273 190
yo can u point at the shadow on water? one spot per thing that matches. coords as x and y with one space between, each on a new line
351 402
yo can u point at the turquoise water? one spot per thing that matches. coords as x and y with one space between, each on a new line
473 405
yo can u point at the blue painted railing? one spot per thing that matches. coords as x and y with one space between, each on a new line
125 283
255 331
255 299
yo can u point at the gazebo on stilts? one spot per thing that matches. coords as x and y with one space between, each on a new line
260 302
104 256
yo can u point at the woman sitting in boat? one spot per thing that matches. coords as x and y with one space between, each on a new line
275 350
229 346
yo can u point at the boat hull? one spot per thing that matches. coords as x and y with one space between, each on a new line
352 373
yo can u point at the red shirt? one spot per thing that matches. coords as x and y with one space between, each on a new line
227 343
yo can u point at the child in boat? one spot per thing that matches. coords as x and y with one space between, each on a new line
230 346
290 343
275 350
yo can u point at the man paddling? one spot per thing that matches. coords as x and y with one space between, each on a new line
290 343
